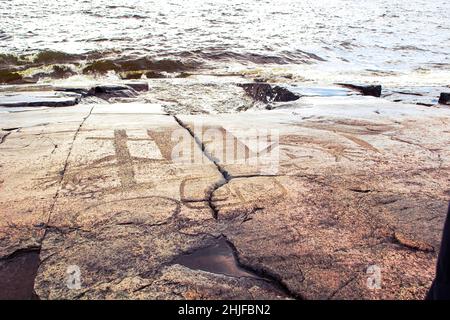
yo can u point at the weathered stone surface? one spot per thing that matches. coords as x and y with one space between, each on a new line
420 95
354 189
444 98
177 282
371 90
266 93
359 183
25 88
35 149
129 108
37 99
325 238
83 90
125 210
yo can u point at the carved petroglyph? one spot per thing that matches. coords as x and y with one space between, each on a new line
349 126
227 148
243 194
362 143
333 148
124 162
123 157
249 191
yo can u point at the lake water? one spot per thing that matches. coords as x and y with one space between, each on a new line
394 42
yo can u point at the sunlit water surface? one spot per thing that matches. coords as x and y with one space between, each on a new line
393 42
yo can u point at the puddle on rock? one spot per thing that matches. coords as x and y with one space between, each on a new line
17 274
321 91
218 258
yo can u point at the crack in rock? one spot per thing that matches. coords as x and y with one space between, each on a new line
342 286
264 274
225 175
409 243
261 274
31 272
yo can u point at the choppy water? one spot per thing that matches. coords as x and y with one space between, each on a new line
398 41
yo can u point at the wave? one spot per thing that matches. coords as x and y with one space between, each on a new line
45 57
222 54
140 64
168 61
57 64
4 36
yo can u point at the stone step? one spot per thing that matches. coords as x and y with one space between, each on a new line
39 99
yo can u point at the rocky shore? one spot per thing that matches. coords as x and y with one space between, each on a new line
93 205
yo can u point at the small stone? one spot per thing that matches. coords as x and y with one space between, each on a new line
444 98
266 93
284 95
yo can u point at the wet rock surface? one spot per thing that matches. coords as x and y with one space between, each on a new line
34 95
444 98
410 97
216 258
112 91
106 91
365 90
38 99
264 92
95 189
